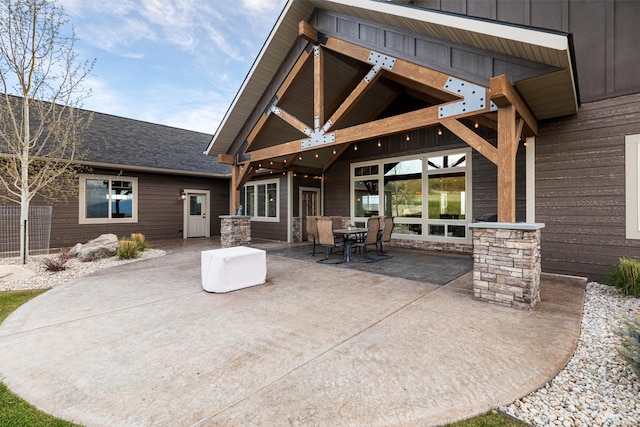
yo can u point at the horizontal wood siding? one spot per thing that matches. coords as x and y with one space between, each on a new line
160 212
337 188
262 230
580 188
604 35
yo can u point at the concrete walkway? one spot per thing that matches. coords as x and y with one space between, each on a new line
143 345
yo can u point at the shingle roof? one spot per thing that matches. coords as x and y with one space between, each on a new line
121 141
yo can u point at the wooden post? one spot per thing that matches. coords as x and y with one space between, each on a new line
507 147
318 87
235 191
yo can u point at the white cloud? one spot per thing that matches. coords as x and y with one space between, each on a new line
261 7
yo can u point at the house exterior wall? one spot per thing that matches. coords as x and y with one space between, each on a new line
160 211
271 230
580 160
580 187
337 182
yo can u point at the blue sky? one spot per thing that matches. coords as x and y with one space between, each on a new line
173 62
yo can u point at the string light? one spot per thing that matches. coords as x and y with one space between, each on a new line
355 147
439 131
299 157
476 125
408 138
379 144
317 155
334 151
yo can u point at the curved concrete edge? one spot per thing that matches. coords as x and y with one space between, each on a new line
145 345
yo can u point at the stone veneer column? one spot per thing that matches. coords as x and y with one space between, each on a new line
235 230
506 263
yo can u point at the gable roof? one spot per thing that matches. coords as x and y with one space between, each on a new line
113 141
547 96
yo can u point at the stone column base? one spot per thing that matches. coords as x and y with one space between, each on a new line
506 263
235 231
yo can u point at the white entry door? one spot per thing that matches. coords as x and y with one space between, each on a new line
197 215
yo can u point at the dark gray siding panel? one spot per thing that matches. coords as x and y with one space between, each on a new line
627 53
590 34
465 62
604 35
580 190
337 183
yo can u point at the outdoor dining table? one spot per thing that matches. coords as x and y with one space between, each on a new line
349 235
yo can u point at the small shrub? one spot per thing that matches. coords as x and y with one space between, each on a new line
127 249
629 349
56 263
141 243
625 276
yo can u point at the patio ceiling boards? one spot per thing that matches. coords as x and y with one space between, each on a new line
547 96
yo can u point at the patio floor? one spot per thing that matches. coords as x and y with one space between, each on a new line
143 344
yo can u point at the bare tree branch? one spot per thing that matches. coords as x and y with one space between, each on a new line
40 125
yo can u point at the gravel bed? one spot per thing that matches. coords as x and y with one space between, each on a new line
596 388
75 268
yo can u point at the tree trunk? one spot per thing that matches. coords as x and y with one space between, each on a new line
25 196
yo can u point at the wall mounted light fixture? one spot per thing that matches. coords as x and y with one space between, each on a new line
183 194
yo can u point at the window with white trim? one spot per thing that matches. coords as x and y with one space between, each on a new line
108 199
261 200
632 186
428 194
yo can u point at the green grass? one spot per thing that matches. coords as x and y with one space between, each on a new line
11 300
490 419
15 412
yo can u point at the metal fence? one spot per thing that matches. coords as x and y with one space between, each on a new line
39 223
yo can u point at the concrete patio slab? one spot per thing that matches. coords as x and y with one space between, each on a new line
143 344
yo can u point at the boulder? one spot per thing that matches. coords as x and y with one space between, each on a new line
104 246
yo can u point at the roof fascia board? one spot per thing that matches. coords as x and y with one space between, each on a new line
254 66
154 170
540 37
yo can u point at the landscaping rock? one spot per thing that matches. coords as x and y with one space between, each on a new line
12 273
104 246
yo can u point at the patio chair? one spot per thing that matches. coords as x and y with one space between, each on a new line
385 235
312 232
337 222
370 238
326 237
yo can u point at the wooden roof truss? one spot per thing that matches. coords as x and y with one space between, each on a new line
467 100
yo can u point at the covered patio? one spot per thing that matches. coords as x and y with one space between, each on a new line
361 109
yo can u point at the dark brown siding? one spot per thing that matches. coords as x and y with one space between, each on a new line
580 188
604 35
160 212
277 231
